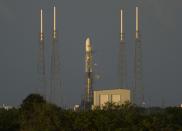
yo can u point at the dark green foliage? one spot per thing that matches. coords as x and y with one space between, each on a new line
9 120
35 114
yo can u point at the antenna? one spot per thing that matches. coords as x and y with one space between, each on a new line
41 24
54 29
122 32
137 23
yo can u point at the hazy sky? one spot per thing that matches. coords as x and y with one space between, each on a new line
100 20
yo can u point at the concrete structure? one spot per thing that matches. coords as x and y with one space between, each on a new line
118 96
181 105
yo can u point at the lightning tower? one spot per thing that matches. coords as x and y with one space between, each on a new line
122 55
88 100
41 59
55 81
138 89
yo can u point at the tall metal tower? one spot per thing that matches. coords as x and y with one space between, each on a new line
122 56
41 59
55 81
138 89
88 100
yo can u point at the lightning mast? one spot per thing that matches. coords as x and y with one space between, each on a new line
122 55
55 81
41 59
89 75
138 89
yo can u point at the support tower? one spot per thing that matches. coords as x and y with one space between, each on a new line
138 89
55 81
122 56
41 59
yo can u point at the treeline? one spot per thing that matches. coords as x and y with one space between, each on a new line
35 114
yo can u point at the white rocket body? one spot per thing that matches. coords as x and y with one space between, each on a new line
88 71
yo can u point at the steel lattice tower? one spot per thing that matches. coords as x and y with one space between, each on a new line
55 81
138 89
122 56
88 100
41 60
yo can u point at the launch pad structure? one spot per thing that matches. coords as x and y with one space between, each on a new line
41 59
122 56
138 88
55 80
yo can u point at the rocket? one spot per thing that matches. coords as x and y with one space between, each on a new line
88 71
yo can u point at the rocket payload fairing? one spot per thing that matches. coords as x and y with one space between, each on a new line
88 50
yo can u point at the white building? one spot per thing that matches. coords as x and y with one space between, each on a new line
117 96
6 107
76 107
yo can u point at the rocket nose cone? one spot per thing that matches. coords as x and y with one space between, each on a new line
88 41
88 44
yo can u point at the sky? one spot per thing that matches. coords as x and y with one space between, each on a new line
160 22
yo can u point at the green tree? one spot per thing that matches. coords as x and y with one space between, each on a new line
9 120
38 115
